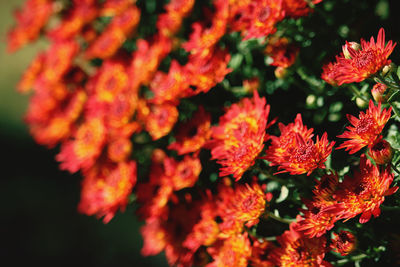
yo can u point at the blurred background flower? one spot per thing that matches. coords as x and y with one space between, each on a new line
39 218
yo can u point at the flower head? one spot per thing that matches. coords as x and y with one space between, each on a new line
260 18
112 38
247 205
193 134
297 8
317 219
365 129
240 135
106 188
170 87
344 242
366 191
356 65
30 21
78 16
233 251
159 119
282 52
84 149
297 250
295 152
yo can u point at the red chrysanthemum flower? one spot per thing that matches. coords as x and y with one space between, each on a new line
105 189
58 61
205 231
30 21
240 136
329 73
240 206
343 243
112 38
184 173
57 125
324 190
109 82
297 8
282 52
193 134
114 7
146 60
31 74
169 233
356 65
248 204
159 119
295 152
84 149
260 18
323 210
204 38
297 250
170 22
366 191
260 250
233 251
205 72
119 150
170 87
81 14
307 156
167 175
317 219
366 128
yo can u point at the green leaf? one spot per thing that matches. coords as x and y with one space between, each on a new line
235 62
394 97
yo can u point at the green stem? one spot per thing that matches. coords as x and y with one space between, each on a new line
279 219
353 258
357 92
270 238
315 83
395 110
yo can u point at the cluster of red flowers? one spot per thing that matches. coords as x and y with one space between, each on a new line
95 111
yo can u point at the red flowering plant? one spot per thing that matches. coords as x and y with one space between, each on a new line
222 124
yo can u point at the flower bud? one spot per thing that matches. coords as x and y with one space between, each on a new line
281 72
343 243
378 92
381 151
251 85
386 69
361 103
353 45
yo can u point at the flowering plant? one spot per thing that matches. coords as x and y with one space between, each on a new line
176 107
